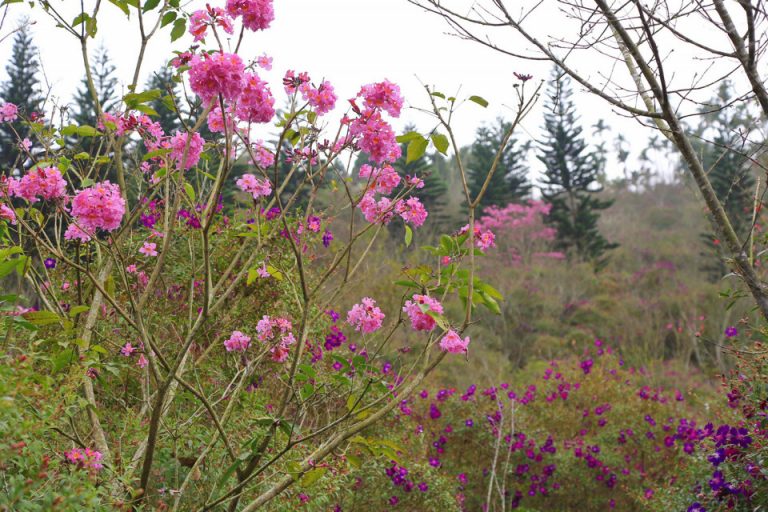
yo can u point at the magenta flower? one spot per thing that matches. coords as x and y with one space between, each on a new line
254 186
99 207
257 14
46 183
731 331
193 152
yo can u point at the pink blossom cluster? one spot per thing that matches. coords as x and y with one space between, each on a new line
417 310
365 317
483 239
75 232
254 186
321 98
178 145
84 458
375 136
411 210
382 95
256 104
99 207
263 157
453 343
8 112
204 18
7 213
276 330
382 180
237 342
46 183
520 231
216 121
211 75
256 14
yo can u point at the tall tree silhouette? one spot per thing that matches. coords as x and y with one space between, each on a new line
570 181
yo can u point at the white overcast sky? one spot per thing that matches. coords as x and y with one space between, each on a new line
350 43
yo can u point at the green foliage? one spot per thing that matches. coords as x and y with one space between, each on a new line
570 183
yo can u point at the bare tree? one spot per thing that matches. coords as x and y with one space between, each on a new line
655 63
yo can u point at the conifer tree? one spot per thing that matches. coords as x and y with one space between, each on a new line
22 87
723 148
570 182
509 183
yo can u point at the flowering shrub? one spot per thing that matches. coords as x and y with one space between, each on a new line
198 340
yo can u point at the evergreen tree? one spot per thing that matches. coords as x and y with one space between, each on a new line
105 83
570 183
725 157
509 183
22 88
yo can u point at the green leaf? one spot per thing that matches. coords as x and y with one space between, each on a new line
122 4
133 99
275 272
441 142
312 476
416 149
190 190
438 94
168 18
252 275
408 284
63 359
42 317
77 309
408 137
179 27
90 27
87 131
82 156
408 236
480 101
150 4
80 18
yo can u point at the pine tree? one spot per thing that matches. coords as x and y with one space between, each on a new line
23 89
509 183
105 83
570 182
729 171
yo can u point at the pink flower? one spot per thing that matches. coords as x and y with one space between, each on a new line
376 137
321 98
486 240
264 62
217 74
7 213
263 272
382 180
142 362
149 249
281 350
131 269
263 157
127 349
257 14
84 459
99 207
178 145
412 211
265 328
254 186
25 145
8 112
382 95
46 183
256 104
417 311
74 232
453 343
237 342
216 120
365 317
200 20
374 211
